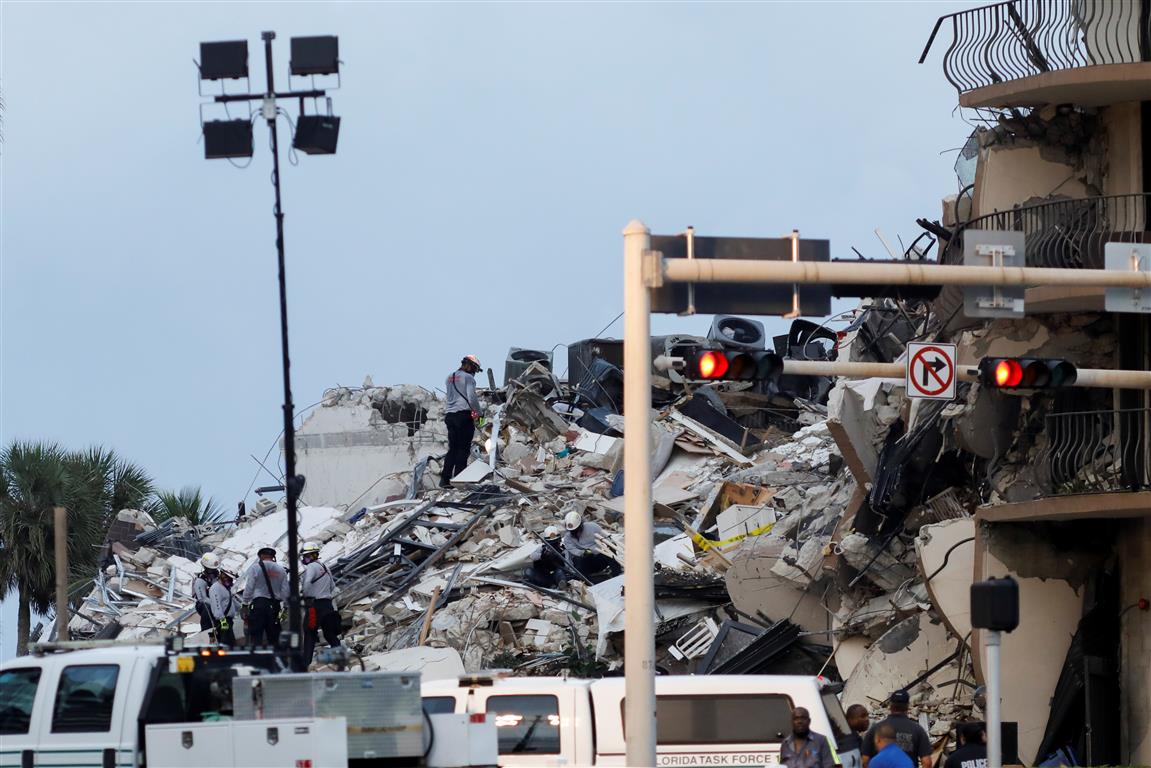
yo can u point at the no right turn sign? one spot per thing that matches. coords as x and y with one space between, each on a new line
931 371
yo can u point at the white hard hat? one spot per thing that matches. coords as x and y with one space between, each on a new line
551 532
310 548
573 520
210 561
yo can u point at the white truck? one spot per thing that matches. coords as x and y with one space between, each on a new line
701 720
151 706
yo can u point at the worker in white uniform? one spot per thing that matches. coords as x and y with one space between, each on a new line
200 586
318 587
582 546
224 606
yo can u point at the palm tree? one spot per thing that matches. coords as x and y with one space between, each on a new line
189 504
35 477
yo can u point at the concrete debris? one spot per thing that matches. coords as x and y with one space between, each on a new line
758 565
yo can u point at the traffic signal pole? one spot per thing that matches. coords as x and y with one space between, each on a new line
861 273
645 270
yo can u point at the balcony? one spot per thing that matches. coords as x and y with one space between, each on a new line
1082 464
1065 233
1024 53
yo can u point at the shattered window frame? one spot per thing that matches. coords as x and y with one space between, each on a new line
538 738
747 722
14 685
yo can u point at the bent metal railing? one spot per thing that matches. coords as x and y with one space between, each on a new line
1066 233
1020 38
1096 452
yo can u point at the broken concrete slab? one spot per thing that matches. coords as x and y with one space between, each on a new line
901 656
946 558
758 592
476 472
431 663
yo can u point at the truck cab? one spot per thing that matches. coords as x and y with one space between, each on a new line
87 708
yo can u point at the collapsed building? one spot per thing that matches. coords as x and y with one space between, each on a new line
803 524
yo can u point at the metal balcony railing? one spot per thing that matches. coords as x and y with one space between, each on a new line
1020 38
1096 452
1066 233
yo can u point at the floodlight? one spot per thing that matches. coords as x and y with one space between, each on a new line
224 61
315 55
317 134
227 138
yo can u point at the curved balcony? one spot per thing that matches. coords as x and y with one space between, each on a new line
1065 233
1035 52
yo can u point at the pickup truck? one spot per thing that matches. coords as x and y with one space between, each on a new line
115 705
712 720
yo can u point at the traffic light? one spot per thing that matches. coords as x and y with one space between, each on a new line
1026 373
720 365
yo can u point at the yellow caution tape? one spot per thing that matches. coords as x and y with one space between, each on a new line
706 544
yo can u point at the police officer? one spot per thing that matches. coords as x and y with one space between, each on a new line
200 586
224 607
547 568
317 588
265 592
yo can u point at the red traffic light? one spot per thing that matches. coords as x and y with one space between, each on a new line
711 365
1008 373
717 365
1026 373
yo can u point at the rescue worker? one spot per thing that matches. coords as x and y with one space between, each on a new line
461 413
265 594
581 546
200 586
909 736
317 588
224 607
805 748
548 561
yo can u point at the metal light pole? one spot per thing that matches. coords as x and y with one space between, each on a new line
230 62
291 482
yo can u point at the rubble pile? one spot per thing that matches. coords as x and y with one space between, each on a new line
821 540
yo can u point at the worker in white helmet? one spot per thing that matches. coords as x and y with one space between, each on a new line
548 561
200 586
224 606
318 588
581 546
461 413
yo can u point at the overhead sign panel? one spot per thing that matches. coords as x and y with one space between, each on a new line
1127 257
931 371
993 248
741 298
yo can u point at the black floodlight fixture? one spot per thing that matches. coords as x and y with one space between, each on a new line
315 55
226 60
317 134
227 139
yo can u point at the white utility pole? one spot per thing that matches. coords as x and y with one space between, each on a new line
639 588
994 701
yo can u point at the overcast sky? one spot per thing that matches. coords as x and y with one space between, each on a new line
489 156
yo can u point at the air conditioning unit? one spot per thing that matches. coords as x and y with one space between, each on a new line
739 332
